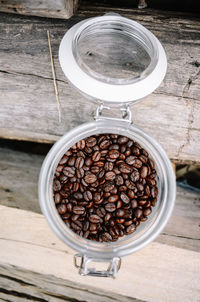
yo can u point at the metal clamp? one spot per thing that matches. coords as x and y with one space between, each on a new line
82 263
126 114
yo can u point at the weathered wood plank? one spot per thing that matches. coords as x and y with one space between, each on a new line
28 104
43 8
18 188
40 287
149 274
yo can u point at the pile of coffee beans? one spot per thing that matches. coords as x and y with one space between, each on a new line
105 186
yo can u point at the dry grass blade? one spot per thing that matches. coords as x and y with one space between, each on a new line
54 78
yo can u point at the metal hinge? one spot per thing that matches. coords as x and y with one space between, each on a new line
125 111
82 262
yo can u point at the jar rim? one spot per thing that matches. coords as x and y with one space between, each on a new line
131 243
104 89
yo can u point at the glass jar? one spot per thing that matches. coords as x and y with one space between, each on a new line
94 55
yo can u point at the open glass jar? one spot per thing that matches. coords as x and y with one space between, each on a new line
113 61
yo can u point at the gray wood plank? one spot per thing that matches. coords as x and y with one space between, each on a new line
43 8
17 284
18 188
28 104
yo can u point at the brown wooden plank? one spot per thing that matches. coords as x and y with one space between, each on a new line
153 272
18 188
43 8
28 103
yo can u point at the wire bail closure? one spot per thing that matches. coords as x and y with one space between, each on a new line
84 270
125 111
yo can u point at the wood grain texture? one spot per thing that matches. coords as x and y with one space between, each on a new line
152 273
17 284
19 173
43 8
28 104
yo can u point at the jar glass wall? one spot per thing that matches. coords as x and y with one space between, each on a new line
148 230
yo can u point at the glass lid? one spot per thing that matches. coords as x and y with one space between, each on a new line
112 59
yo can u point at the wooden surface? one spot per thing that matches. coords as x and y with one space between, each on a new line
28 103
43 8
19 168
156 271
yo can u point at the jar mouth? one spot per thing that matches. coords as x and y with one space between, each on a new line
112 59
148 230
115 50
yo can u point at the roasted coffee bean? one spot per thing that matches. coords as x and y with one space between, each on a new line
69 171
101 212
71 161
124 198
104 186
154 192
79 210
57 198
122 140
119 204
90 178
120 213
106 237
56 185
110 207
94 169
62 208
113 154
81 144
130 229
113 198
94 218
124 168
87 195
110 175
79 162
138 213
104 144
147 212
96 156
91 141
144 172
108 166
119 180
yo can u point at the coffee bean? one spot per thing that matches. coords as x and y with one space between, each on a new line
130 229
96 156
69 171
90 178
57 198
138 213
78 210
154 192
122 140
119 180
62 209
79 162
56 185
113 154
147 212
94 218
124 198
110 175
110 207
108 166
104 186
71 161
91 141
105 144
106 237
120 213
